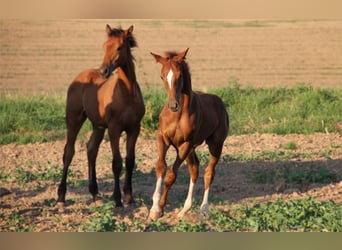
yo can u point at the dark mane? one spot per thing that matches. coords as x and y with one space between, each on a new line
172 54
116 32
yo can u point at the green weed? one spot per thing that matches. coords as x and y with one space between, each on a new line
290 146
295 215
103 220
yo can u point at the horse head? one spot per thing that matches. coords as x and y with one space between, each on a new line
116 48
172 76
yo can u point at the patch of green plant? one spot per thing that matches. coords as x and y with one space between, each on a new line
182 226
16 223
302 109
290 146
203 156
104 221
29 119
295 215
154 102
4 176
53 173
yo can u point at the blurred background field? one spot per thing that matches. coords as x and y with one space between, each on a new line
43 56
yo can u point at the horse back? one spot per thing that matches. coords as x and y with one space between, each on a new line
212 114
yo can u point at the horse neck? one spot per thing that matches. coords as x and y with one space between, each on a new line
187 88
128 67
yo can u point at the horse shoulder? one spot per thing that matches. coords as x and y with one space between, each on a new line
105 94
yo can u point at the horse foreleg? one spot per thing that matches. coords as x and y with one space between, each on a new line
171 174
92 151
193 164
130 163
162 148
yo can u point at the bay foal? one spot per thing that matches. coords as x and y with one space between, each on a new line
109 97
187 120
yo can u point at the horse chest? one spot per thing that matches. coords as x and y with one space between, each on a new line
178 132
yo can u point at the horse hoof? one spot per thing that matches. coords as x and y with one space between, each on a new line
61 207
154 215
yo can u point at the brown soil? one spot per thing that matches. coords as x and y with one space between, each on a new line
233 183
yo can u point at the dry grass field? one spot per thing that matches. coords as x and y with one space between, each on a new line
43 57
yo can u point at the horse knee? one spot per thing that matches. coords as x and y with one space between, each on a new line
170 178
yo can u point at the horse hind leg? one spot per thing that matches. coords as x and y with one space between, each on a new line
92 151
132 137
193 164
215 149
114 136
74 122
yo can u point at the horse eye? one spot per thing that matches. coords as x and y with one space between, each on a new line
161 77
119 48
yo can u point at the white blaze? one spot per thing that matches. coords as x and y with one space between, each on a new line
169 78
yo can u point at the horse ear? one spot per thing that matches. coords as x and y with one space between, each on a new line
181 56
159 59
129 30
108 29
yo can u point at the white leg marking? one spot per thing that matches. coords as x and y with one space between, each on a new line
169 78
205 203
188 201
157 195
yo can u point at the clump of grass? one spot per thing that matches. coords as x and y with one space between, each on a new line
154 102
27 119
290 146
51 173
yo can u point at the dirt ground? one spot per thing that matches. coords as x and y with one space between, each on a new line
233 183
43 56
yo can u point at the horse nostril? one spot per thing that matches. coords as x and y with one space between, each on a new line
173 106
176 106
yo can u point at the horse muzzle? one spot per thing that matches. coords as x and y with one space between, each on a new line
173 106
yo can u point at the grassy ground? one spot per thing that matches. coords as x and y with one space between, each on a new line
301 110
